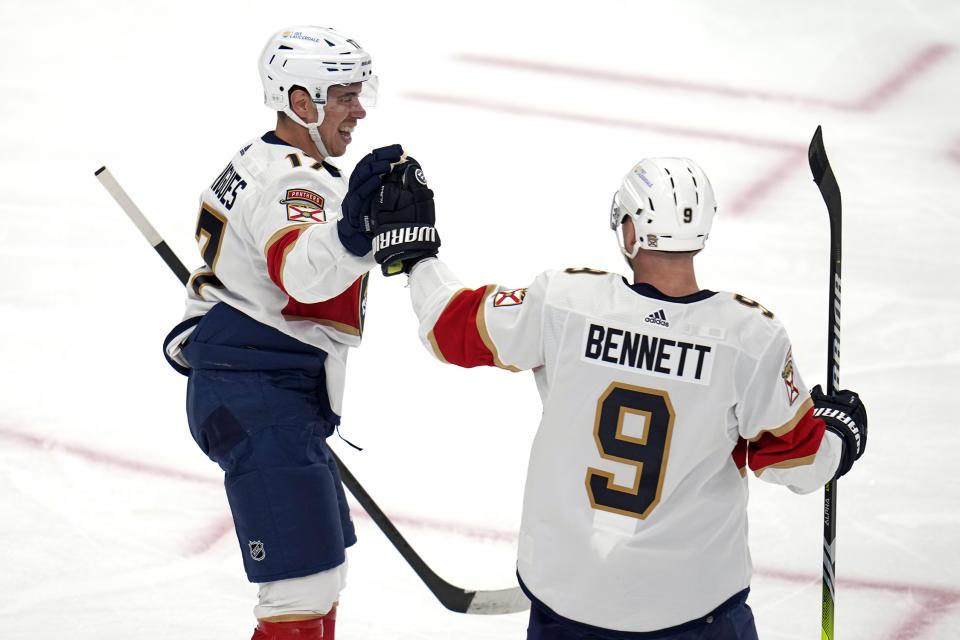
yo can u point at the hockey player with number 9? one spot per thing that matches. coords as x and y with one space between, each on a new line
270 319
658 396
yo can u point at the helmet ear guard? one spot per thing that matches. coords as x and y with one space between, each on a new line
617 215
669 201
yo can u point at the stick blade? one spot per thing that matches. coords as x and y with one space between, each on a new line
817 154
498 602
823 174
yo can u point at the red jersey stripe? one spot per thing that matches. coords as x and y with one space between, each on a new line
456 336
343 312
792 445
739 456
277 249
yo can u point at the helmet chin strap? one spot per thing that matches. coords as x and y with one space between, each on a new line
312 128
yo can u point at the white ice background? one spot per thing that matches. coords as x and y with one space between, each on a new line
114 525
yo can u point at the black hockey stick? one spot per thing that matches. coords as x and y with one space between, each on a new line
496 601
823 176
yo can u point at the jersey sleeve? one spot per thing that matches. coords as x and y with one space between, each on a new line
783 443
295 228
488 326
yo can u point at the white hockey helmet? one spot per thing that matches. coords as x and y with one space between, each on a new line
313 58
670 202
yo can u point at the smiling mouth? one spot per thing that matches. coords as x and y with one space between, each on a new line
346 132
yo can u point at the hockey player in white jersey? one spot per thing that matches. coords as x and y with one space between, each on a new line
270 318
658 396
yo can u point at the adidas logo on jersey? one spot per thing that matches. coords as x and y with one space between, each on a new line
658 318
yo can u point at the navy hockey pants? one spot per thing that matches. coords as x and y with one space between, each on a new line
732 620
267 431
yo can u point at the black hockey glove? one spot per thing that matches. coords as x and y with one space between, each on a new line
845 415
403 217
354 227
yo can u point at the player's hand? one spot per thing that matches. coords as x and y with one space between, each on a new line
402 216
845 415
354 227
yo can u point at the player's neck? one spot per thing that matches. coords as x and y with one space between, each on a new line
297 136
671 274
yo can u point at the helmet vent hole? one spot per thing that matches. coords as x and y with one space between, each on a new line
283 47
650 200
329 43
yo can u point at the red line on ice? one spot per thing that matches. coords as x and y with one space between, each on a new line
766 183
889 87
935 601
224 526
871 99
740 203
933 607
924 591
515 109
102 457
204 541
895 84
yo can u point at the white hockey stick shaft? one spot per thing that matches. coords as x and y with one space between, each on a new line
136 216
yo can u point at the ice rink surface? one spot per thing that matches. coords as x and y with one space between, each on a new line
524 116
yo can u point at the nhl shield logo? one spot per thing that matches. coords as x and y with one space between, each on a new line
257 551
304 205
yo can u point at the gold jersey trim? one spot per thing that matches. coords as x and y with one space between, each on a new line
789 425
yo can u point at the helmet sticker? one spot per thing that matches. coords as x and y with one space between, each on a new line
641 173
299 35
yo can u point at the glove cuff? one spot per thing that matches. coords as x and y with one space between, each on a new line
846 455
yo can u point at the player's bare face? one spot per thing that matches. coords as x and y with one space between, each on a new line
340 116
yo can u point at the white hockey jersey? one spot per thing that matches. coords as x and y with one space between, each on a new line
634 511
268 236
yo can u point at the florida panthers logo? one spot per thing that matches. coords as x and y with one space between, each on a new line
788 374
304 205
